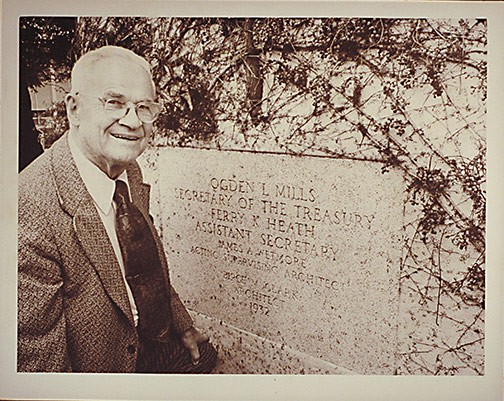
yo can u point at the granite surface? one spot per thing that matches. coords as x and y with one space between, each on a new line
302 253
246 353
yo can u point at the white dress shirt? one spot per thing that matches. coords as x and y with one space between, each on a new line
101 188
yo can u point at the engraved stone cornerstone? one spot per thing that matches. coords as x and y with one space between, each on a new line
303 252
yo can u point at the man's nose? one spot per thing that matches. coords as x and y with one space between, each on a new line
131 119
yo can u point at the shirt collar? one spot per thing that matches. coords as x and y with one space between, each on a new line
100 186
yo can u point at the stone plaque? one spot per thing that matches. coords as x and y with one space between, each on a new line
303 251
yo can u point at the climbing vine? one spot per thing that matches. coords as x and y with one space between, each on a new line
408 93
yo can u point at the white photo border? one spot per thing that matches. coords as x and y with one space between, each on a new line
250 387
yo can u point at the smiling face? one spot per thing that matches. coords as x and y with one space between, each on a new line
108 142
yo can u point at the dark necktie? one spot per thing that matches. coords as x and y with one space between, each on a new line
143 269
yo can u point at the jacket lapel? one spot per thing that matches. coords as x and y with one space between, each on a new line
140 191
91 233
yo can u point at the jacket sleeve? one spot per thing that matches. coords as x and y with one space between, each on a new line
182 321
181 318
42 345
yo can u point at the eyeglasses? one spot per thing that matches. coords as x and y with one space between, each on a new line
146 111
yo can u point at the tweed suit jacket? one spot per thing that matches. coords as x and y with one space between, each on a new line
73 308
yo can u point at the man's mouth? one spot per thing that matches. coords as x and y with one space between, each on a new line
126 137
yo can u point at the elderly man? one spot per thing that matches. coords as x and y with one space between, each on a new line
94 292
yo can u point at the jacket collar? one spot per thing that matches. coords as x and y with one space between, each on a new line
71 189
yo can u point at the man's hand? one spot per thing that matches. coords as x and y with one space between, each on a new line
190 339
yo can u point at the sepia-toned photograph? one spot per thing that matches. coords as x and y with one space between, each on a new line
318 186
262 196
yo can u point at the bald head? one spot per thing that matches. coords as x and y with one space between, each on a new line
84 69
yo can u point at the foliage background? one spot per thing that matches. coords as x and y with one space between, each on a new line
410 93
44 44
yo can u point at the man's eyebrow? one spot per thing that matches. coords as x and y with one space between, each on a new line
113 94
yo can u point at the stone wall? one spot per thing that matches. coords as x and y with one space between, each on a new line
290 263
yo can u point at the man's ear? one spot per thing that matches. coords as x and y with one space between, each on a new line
72 109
